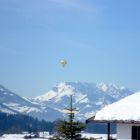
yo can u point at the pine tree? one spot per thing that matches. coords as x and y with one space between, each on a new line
70 129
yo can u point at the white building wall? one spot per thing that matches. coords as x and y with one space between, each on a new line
124 131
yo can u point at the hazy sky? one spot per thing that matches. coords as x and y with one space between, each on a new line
99 38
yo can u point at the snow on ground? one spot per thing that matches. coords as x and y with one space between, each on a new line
125 109
97 136
84 135
18 137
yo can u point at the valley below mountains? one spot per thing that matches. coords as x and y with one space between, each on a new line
88 98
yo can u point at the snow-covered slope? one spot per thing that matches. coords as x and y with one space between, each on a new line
13 103
125 109
117 92
87 97
5 109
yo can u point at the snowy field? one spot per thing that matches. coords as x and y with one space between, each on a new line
20 136
97 136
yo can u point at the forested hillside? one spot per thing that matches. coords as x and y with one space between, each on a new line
18 123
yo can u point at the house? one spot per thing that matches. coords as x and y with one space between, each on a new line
126 114
44 134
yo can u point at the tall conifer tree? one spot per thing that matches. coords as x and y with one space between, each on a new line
70 129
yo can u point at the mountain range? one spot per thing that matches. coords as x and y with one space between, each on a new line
88 98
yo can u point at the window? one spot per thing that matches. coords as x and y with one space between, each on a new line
135 132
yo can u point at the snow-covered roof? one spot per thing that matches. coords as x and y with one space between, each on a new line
127 109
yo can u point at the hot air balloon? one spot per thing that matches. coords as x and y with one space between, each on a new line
63 62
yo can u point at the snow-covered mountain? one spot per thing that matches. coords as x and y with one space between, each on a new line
13 103
88 98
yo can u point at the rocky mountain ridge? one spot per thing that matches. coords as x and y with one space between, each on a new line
88 98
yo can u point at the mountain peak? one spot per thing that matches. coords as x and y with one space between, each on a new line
87 97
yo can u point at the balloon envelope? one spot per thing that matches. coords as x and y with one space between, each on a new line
63 62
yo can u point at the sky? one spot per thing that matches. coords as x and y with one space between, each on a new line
99 39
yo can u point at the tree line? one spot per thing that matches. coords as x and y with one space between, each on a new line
19 123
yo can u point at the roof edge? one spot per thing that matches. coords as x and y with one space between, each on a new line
92 120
